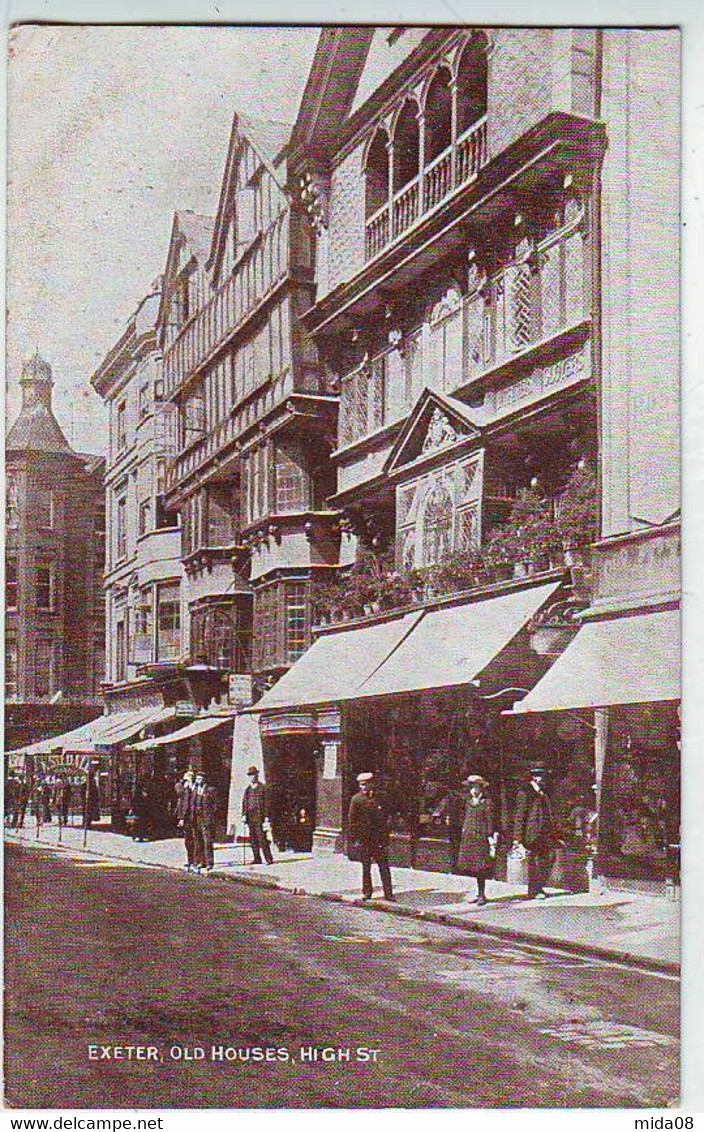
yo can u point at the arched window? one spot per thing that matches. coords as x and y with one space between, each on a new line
438 115
406 146
471 85
376 174
437 525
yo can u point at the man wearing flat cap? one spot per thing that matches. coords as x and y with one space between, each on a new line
369 829
254 812
534 829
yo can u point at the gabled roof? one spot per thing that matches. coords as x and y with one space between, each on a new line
37 430
454 423
354 70
197 231
269 138
332 82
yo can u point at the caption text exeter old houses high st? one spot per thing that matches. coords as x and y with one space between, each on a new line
393 477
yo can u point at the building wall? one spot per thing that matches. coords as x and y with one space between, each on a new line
346 240
71 631
640 280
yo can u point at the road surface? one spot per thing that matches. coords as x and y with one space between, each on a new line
131 986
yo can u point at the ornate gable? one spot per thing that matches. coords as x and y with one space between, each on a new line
436 424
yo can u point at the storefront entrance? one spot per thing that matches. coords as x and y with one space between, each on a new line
290 771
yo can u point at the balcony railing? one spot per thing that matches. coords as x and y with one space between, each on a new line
457 165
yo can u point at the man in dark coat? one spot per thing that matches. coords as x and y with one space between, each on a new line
369 830
534 829
204 809
184 816
255 813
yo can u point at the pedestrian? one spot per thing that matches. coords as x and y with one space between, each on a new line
184 816
46 801
369 831
66 791
453 809
534 832
255 813
479 837
22 802
12 790
204 809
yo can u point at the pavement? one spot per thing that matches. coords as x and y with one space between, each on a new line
633 928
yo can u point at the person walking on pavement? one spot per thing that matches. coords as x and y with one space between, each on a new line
369 830
204 807
534 831
255 812
184 817
479 837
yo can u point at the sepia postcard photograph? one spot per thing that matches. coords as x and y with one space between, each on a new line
342 567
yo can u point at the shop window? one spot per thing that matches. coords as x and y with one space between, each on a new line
46 595
12 514
11 669
168 622
376 174
406 146
471 86
438 116
12 584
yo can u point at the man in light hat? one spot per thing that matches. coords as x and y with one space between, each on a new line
369 829
534 829
255 812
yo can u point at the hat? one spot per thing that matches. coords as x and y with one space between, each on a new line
366 776
475 780
537 770
253 770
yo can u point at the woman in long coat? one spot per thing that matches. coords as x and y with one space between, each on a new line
478 842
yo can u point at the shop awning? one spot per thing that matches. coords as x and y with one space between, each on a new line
103 731
336 665
630 660
452 645
191 731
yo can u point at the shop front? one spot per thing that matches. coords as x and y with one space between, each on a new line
151 768
420 699
624 674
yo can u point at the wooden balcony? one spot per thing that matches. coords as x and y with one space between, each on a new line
456 166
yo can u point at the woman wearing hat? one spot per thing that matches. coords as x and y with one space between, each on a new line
479 837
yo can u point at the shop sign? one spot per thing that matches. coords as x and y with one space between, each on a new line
239 693
185 708
67 761
540 383
643 567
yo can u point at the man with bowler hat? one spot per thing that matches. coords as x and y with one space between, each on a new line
204 808
369 829
534 829
254 812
